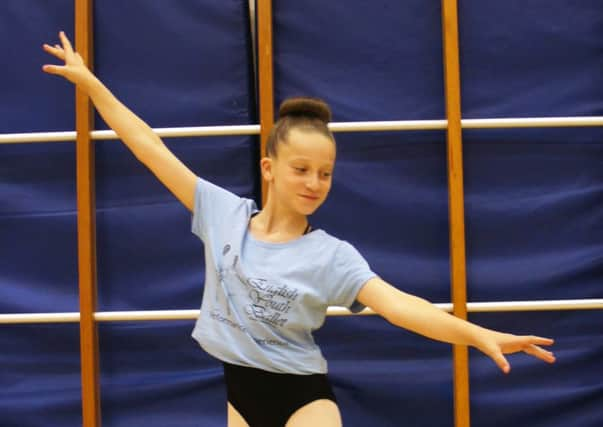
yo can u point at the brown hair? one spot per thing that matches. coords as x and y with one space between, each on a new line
309 114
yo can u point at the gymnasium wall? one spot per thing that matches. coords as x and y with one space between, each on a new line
533 201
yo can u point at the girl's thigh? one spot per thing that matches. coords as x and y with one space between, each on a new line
322 412
234 418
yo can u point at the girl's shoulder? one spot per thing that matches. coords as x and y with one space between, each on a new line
329 243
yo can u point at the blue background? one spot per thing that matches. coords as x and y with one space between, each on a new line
533 201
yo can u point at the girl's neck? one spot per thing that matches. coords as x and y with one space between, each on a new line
277 224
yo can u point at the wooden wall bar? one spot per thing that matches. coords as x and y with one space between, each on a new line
456 204
86 224
265 76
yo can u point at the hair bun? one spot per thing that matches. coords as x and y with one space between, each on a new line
305 107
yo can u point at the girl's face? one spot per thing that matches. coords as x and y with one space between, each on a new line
300 176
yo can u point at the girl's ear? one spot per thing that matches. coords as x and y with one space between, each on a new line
266 168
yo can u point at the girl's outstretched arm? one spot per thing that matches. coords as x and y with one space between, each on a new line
422 317
135 133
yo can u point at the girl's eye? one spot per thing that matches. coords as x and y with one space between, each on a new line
300 169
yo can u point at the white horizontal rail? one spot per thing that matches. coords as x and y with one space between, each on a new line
535 122
388 125
23 138
182 132
472 307
384 126
379 126
510 123
178 132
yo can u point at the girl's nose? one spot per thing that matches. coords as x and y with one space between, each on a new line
312 183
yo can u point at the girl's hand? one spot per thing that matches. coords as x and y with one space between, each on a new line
74 69
495 344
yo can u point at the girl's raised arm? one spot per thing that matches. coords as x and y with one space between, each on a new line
420 316
135 133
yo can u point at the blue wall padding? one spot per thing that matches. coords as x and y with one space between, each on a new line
536 394
371 61
533 219
39 364
40 375
530 60
387 376
182 63
172 383
30 100
38 228
532 202
37 181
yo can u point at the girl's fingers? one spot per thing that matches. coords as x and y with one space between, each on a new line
541 340
540 353
500 360
66 43
59 53
502 363
53 69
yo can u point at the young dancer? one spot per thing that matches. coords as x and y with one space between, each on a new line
269 276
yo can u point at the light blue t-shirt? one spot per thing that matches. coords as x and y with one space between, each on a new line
262 300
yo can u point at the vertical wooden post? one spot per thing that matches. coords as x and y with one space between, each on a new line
456 204
86 207
265 77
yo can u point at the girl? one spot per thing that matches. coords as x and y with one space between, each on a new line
269 276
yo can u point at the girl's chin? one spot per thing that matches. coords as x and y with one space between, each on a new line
307 206
306 210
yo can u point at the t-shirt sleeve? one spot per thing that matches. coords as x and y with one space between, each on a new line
350 272
210 206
